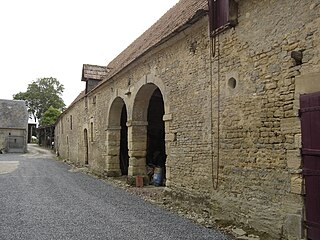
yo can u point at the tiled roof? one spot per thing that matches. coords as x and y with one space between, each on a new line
93 72
185 11
172 22
13 114
81 95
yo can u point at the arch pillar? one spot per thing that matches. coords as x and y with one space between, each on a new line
113 145
137 141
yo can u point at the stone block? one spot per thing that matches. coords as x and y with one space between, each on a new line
293 227
138 146
170 137
113 159
296 184
290 125
293 159
138 162
307 83
137 170
135 153
297 141
167 117
113 151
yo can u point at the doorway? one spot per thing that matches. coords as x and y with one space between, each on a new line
124 156
86 147
156 150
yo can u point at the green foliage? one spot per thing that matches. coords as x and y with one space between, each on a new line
50 116
40 95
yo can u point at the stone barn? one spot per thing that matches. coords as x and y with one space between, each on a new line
13 126
222 97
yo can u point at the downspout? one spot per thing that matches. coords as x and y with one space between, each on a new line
215 53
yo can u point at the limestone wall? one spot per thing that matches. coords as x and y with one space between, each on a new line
231 120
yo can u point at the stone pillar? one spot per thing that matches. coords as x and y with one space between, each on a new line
169 138
113 150
137 140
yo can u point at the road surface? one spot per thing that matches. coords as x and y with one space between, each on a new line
41 198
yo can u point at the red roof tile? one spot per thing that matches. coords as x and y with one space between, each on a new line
171 22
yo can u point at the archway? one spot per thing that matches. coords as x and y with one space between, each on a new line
156 149
117 139
123 155
147 129
86 147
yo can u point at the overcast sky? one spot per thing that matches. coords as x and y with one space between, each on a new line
42 38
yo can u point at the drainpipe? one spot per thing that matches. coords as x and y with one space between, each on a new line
215 56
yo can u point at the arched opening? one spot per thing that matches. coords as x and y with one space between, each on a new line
117 139
86 148
124 156
147 135
156 149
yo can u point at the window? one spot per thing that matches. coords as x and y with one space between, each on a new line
94 99
222 14
71 122
62 119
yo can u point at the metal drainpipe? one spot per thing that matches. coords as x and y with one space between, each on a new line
215 52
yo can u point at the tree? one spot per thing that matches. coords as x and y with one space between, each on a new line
50 116
40 95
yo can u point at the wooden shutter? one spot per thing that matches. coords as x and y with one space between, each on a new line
222 14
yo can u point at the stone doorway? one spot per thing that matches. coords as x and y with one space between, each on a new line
147 134
156 149
117 140
86 147
124 156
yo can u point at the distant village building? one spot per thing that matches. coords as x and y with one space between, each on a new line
13 126
224 101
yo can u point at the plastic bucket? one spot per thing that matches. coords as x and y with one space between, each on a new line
157 176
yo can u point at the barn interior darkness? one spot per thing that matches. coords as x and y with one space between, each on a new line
124 156
156 154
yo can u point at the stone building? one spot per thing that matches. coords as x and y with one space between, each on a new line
13 126
216 92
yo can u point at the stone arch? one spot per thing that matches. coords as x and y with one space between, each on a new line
150 80
117 143
147 119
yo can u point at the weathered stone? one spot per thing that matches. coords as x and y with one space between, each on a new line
292 227
296 184
293 159
230 122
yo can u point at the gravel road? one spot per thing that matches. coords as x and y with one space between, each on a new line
42 198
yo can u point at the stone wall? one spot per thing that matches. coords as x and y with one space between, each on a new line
231 120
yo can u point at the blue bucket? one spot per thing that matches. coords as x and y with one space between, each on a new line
157 176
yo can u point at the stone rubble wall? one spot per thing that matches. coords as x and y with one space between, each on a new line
255 178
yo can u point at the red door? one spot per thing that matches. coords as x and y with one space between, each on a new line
310 129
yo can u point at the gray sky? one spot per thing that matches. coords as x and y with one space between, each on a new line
42 38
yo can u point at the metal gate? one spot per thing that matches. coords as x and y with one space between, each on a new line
310 128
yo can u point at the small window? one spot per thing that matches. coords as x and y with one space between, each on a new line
85 102
71 122
91 128
62 125
222 14
94 99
